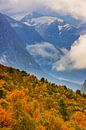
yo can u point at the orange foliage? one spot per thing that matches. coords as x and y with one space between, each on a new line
6 118
36 114
40 127
2 82
19 97
80 119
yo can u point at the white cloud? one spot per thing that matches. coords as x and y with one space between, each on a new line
76 8
69 80
73 7
45 49
75 58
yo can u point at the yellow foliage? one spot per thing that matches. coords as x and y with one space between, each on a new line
29 103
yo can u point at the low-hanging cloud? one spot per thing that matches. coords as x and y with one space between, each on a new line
45 50
75 58
76 8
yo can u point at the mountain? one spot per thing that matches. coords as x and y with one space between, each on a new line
12 51
26 46
32 41
83 88
32 15
53 30
82 28
27 34
44 32
57 34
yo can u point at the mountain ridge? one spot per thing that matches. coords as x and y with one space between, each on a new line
50 28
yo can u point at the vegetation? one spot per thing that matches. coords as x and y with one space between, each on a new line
27 103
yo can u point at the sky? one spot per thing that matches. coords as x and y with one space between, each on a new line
18 8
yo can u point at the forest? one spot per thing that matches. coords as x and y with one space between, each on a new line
27 103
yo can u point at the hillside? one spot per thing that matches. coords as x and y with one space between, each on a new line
27 103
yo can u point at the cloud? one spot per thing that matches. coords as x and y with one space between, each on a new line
19 8
73 7
76 8
75 58
69 80
45 49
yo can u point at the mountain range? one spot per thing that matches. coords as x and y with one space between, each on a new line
36 42
53 29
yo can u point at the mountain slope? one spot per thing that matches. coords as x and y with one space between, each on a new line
34 43
27 34
11 50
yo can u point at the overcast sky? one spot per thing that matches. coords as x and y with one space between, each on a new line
77 8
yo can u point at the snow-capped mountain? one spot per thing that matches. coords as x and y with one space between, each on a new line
37 42
53 30
27 34
11 50
58 34
43 52
31 15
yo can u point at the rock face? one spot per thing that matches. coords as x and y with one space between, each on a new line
83 88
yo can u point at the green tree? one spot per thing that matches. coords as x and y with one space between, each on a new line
63 109
78 92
